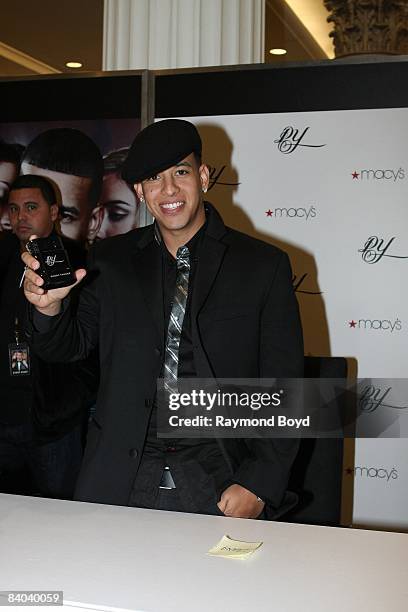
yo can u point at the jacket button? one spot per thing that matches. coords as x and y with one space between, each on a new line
133 453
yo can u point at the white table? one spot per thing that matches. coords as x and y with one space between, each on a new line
115 558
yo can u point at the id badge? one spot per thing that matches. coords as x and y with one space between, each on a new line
19 359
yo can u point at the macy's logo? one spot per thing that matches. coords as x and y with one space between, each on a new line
379 175
376 324
301 213
373 472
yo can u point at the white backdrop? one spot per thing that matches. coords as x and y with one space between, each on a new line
331 188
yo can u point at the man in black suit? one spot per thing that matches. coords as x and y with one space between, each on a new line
40 403
218 303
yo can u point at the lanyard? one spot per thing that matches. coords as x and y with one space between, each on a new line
16 330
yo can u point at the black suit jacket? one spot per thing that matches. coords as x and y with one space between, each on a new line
245 324
60 393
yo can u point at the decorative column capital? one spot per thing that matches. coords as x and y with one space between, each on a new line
369 26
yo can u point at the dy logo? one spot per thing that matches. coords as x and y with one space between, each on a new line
215 177
376 248
372 398
291 138
298 282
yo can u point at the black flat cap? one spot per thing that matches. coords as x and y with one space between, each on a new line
158 147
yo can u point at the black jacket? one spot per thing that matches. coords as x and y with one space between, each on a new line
60 393
245 324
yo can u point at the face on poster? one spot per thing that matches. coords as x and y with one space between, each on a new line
85 164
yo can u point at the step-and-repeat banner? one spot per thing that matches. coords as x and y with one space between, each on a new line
331 188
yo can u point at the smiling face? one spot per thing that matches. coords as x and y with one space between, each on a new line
120 206
174 198
30 213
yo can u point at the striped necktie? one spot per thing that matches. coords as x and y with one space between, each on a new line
178 310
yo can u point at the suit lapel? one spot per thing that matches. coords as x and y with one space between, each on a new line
209 262
148 272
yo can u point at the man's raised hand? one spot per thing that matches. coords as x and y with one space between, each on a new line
47 302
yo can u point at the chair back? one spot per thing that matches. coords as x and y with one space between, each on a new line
317 471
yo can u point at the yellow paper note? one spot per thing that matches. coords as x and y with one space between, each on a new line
233 549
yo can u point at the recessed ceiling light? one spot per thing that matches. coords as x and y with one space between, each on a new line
277 51
73 65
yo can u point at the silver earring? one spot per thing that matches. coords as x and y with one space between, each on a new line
204 189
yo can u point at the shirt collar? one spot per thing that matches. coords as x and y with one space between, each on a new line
192 244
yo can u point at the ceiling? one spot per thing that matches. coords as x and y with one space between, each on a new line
40 36
52 32
300 27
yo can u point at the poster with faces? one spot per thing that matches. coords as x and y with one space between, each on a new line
83 160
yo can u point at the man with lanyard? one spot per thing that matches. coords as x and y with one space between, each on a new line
40 419
184 297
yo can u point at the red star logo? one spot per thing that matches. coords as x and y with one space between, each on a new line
355 174
269 213
352 323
